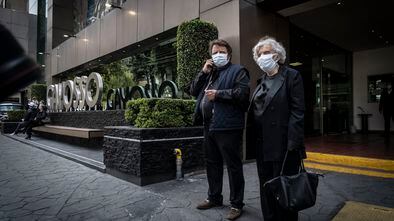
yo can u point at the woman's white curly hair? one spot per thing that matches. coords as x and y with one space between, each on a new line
276 47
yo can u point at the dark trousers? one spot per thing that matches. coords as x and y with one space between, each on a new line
268 170
225 145
29 127
387 121
21 125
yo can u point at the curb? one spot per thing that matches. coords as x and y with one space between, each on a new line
93 164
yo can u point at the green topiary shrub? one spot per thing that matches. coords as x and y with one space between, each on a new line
39 91
192 44
160 112
15 115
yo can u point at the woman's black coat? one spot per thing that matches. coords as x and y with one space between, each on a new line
282 119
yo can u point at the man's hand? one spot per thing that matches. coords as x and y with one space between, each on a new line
207 66
211 94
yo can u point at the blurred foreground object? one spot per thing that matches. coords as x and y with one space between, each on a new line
17 70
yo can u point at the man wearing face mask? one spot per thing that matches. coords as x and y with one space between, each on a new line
222 91
275 123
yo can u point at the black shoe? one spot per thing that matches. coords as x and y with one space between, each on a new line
234 213
207 205
28 137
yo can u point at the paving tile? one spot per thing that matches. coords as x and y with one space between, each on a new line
37 185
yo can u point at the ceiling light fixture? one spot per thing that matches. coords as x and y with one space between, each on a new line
69 36
131 12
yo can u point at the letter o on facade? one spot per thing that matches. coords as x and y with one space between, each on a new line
51 97
68 89
94 78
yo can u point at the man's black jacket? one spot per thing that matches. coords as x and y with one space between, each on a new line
231 100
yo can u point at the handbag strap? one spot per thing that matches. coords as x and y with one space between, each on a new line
302 167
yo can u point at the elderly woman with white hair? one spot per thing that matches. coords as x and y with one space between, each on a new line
276 122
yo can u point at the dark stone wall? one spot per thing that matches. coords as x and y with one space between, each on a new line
88 119
122 155
147 156
159 157
153 133
8 127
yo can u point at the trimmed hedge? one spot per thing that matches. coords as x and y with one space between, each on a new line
192 45
15 115
160 112
39 91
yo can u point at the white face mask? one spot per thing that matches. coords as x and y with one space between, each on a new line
267 63
220 59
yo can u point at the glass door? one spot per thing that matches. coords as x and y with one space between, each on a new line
336 94
327 82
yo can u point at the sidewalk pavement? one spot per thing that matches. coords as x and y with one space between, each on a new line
37 185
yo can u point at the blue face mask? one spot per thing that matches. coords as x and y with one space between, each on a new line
220 59
267 63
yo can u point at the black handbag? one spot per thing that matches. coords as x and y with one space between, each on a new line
296 192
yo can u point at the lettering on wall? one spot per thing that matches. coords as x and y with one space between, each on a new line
85 93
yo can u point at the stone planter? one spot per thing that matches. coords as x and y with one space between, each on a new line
146 155
8 127
88 119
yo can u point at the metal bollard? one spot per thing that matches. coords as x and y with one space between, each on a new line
179 174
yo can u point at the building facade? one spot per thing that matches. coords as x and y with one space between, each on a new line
342 48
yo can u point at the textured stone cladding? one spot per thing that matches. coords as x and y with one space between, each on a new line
8 127
88 119
148 154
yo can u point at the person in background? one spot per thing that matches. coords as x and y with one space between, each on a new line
29 116
37 120
276 123
222 91
35 101
386 107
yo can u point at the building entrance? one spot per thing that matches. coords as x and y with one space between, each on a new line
327 81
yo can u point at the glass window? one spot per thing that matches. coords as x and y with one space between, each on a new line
376 85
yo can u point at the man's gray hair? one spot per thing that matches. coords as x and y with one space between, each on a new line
276 47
